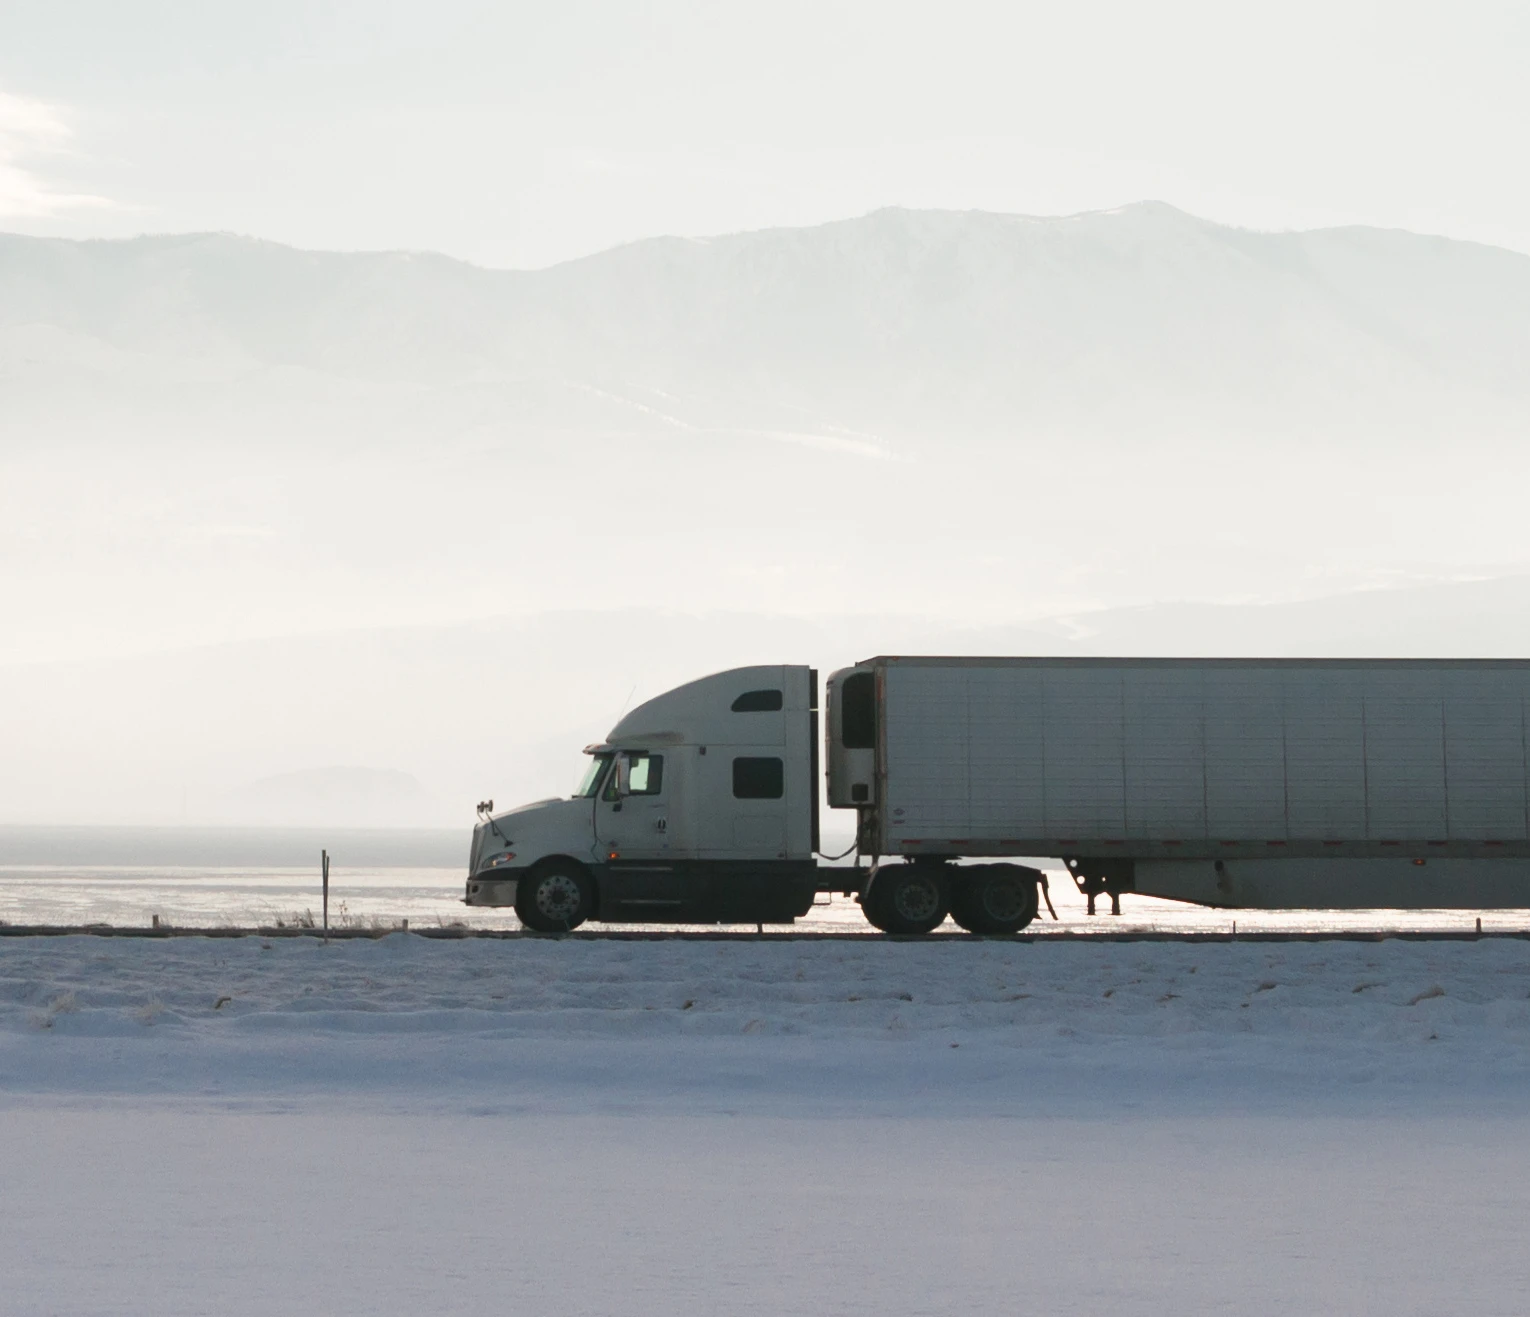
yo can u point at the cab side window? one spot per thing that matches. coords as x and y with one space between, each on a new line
645 776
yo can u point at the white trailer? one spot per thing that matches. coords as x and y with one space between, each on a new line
1237 783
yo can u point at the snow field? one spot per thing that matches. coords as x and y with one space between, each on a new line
1420 1011
255 1126
135 1209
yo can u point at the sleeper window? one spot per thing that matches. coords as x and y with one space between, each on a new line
758 779
758 702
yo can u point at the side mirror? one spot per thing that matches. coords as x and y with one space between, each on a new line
623 776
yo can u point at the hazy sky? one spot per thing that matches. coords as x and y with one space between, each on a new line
521 134
142 512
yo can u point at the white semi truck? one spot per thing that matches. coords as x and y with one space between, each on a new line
1265 784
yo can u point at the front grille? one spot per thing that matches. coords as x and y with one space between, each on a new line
476 849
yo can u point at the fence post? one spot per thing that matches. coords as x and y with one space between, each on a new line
324 862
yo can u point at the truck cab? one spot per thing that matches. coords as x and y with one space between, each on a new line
700 806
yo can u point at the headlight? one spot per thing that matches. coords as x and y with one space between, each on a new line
504 857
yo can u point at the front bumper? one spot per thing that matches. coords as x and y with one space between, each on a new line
495 887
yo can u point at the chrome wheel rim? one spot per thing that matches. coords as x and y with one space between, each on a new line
557 897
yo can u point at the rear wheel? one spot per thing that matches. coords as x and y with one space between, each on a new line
556 898
1000 899
906 898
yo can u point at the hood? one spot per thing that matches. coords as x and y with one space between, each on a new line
556 826
535 804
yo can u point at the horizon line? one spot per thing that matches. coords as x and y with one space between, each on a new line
1144 204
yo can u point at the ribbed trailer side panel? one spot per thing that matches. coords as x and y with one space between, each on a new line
1245 742
1058 756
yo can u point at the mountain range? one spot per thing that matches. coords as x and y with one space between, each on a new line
901 328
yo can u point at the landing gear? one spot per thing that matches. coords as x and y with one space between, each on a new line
1097 877
907 898
555 898
994 898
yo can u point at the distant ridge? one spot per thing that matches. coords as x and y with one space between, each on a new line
915 325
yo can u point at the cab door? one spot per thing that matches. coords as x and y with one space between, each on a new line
641 880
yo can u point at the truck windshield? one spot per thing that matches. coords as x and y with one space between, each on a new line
589 783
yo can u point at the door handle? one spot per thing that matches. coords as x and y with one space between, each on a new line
661 825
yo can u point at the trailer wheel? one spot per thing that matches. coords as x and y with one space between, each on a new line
556 898
907 898
999 900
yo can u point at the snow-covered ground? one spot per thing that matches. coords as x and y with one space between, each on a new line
405 1125
92 1014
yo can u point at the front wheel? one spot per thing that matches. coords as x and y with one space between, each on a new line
907 898
555 899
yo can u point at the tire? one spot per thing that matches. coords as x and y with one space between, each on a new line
995 899
907 899
870 909
555 898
